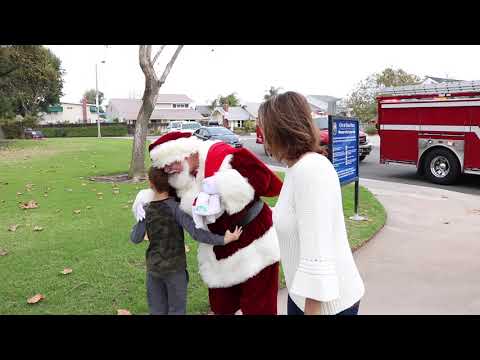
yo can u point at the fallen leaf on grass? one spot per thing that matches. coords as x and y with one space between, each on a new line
67 271
58 210
46 195
125 207
89 207
35 299
116 192
187 249
37 228
83 184
100 198
13 228
69 190
99 193
32 204
3 252
19 193
123 312
76 211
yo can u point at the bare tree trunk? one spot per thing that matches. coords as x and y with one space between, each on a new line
152 86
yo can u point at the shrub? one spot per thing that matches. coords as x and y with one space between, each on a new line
250 126
371 130
85 131
12 129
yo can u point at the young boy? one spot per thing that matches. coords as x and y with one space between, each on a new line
167 275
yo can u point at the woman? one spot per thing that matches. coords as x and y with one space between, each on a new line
320 272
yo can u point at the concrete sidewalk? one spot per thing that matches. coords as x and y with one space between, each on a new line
426 260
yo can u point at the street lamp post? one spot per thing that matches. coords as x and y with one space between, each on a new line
96 99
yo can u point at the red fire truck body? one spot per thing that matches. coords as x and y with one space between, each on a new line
434 127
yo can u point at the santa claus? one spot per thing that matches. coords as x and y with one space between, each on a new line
243 274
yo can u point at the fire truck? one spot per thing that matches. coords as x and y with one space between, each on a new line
434 127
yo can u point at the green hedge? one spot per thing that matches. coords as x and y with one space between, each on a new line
84 131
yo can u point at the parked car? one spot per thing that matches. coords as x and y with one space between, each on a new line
33 134
183 126
364 146
218 133
321 122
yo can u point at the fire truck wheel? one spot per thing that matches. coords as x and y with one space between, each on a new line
440 166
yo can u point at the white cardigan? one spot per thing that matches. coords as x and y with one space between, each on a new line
315 254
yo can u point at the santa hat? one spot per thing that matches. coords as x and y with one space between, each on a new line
171 147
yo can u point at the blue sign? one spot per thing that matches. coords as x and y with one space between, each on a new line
343 147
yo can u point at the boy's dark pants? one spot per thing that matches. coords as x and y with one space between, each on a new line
167 295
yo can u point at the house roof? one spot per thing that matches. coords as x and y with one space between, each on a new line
129 108
323 98
440 80
173 98
234 113
252 108
204 110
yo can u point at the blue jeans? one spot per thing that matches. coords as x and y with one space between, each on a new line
293 309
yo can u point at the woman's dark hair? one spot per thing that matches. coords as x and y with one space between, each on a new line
159 179
287 126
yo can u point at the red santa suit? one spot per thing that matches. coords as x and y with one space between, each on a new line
243 274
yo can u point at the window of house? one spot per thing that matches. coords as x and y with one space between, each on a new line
238 123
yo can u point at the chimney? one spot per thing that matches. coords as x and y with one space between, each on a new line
225 117
84 109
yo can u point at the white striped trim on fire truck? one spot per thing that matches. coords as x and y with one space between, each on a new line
449 128
430 104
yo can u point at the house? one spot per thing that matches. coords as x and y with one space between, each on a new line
232 117
71 113
323 104
429 80
169 107
252 109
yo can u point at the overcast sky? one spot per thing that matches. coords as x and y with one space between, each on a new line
204 72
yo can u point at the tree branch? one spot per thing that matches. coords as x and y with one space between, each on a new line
169 65
158 54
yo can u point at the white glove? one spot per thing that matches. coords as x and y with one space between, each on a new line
143 198
209 185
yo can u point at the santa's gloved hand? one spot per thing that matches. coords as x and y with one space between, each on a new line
142 199
209 185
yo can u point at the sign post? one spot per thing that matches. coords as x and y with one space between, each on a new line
343 151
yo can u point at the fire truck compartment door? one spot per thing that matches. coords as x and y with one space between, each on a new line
472 140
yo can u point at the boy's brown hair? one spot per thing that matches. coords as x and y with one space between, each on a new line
287 126
159 179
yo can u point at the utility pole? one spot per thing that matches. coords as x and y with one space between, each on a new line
96 98
96 101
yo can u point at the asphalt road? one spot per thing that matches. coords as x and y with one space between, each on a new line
371 168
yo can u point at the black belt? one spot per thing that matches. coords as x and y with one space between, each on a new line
252 213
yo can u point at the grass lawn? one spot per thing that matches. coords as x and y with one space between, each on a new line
85 227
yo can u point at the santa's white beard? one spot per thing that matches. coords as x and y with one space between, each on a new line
183 180
186 186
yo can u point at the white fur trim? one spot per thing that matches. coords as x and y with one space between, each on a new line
235 191
242 265
174 150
